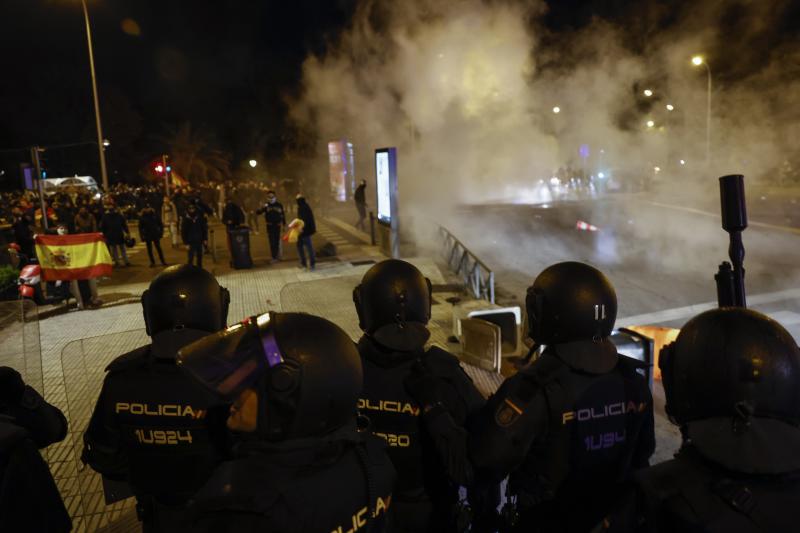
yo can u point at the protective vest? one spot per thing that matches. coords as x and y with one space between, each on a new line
301 486
170 430
693 495
395 416
593 430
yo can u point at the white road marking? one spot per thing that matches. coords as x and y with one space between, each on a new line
677 313
755 223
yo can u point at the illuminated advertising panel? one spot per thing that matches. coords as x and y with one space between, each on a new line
383 186
337 170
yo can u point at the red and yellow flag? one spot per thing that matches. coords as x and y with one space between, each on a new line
68 257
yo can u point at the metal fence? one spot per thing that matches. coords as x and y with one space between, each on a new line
478 277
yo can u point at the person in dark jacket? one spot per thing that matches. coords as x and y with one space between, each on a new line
232 215
115 230
154 427
302 465
23 234
194 229
275 217
29 498
84 221
304 243
360 198
150 231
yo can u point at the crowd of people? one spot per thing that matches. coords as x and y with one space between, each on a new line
183 216
282 423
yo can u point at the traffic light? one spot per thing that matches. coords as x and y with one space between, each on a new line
158 168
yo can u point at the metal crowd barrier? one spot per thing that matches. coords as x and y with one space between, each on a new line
478 277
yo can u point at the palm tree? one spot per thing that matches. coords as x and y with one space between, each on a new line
193 154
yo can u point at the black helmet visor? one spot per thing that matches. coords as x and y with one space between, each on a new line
233 359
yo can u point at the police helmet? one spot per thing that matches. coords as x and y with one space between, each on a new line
306 370
570 301
732 381
185 296
393 303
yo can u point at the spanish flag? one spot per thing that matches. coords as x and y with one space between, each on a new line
68 257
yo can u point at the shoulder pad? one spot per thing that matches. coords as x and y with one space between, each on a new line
544 370
441 362
129 360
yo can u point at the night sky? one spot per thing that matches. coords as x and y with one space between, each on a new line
223 66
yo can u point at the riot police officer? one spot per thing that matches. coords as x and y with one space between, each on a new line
570 427
732 384
44 422
154 427
302 465
418 400
29 498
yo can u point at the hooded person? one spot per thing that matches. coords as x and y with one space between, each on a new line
301 465
153 427
417 399
535 428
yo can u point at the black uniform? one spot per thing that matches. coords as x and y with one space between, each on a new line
568 434
303 488
425 495
29 498
26 408
156 429
275 218
693 494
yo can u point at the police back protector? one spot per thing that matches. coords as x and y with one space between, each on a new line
571 474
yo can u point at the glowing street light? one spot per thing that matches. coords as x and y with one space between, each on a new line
697 61
650 123
648 92
683 161
106 143
556 110
253 163
670 107
657 169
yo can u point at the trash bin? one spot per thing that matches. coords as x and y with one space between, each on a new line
239 240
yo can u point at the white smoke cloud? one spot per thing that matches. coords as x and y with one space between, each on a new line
465 90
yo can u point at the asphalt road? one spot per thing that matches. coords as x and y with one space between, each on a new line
660 253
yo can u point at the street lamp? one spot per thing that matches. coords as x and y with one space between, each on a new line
670 107
106 143
103 171
650 123
697 61
648 92
253 163
556 110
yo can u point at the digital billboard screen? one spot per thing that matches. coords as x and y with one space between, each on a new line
383 186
